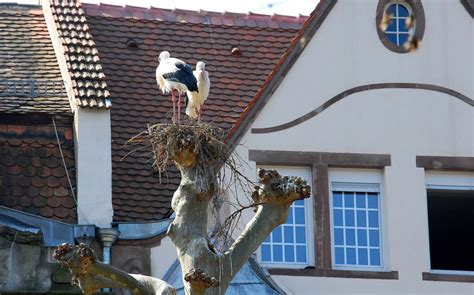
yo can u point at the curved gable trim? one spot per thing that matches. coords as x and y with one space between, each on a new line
357 89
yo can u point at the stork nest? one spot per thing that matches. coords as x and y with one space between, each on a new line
185 144
203 145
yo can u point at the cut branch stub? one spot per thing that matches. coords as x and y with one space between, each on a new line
278 189
91 275
199 279
76 258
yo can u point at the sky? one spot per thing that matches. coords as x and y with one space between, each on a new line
286 7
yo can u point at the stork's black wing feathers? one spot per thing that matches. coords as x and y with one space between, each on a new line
184 74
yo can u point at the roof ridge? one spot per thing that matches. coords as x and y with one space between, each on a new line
13 5
19 8
249 19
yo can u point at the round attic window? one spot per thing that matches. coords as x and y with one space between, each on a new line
400 24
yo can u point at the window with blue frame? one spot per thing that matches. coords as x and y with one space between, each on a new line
398 30
356 230
288 243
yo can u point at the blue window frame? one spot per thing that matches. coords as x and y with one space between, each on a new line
288 243
397 31
356 225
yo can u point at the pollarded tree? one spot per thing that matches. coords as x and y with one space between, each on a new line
199 152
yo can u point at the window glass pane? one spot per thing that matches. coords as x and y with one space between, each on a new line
277 253
288 234
349 200
373 219
289 253
402 11
361 218
301 253
351 255
373 202
392 10
374 257
338 217
349 218
353 242
299 215
337 199
350 237
403 38
363 256
276 235
339 255
402 26
287 244
299 202
362 237
374 238
266 254
392 25
339 236
300 234
392 37
360 200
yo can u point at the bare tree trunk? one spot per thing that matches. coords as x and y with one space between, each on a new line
206 270
198 154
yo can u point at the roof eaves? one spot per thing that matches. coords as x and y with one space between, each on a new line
280 71
77 55
469 5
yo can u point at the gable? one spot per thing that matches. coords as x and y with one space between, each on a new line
346 54
343 78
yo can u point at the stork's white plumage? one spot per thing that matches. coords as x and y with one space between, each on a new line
196 99
174 74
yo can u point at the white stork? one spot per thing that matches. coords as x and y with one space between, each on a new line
174 74
196 99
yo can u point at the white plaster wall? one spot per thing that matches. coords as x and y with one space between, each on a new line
345 53
162 257
94 166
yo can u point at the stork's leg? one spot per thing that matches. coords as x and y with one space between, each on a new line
198 111
179 107
174 105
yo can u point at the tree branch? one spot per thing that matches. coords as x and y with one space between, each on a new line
275 194
91 275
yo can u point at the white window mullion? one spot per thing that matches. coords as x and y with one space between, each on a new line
369 260
344 225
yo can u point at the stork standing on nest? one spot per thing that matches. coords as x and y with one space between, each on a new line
174 74
196 99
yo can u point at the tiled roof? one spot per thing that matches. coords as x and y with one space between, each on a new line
129 49
30 79
32 175
77 50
